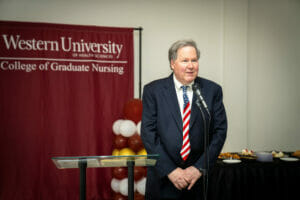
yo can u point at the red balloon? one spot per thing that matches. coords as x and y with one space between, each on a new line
118 196
138 196
120 142
133 110
120 172
135 142
139 173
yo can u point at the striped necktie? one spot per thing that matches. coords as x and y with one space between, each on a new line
185 149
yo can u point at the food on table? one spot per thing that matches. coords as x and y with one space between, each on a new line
247 152
296 153
279 154
228 155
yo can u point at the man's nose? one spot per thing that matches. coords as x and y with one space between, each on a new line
190 64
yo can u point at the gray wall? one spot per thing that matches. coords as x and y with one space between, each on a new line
250 47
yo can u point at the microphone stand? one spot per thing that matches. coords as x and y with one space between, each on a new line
206 138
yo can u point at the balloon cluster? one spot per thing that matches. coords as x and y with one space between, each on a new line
128 141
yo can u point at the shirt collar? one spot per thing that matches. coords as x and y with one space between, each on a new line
178 84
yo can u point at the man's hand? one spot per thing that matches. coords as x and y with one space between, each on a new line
191 175
177 177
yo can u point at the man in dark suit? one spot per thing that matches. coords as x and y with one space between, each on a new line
173 127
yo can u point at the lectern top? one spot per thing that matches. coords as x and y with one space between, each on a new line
105 161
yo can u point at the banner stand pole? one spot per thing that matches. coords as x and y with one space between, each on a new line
140 29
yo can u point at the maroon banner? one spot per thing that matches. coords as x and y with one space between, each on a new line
61 89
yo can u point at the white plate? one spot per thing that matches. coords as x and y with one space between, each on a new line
289 159
232 161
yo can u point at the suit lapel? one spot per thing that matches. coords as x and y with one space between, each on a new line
171 98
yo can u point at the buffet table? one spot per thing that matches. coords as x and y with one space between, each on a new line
254 180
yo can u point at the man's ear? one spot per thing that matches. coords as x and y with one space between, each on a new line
172 64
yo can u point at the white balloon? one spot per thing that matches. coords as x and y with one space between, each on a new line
135 186
116 126
115 185
138 128
124 186
141 186
127 128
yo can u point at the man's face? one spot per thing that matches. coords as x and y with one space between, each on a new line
186 66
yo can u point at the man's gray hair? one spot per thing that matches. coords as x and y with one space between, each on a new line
179 44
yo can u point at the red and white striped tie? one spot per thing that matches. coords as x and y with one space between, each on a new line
185 149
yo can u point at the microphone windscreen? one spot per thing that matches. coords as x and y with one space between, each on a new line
195 87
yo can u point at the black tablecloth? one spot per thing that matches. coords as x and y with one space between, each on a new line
255 180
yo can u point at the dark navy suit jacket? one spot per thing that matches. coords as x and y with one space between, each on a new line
161 132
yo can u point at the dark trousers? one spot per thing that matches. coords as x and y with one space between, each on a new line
194 194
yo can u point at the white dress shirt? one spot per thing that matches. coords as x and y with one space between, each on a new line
179 93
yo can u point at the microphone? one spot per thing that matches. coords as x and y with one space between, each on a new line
206 125
196 90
